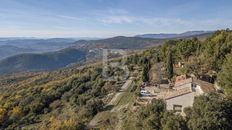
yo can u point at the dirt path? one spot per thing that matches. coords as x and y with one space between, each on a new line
113 102
115 98
119 94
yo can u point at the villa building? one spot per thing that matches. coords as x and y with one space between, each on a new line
184 91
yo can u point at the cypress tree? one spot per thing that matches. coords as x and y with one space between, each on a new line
169 64
146 68
145 73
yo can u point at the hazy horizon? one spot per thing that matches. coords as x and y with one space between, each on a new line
89 38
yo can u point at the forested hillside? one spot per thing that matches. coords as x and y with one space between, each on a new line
42 62
81 50
210 58
70 98
14 46
61 99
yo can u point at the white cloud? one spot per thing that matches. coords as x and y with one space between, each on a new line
117 11
160 22
143 20
118 19
68 17
164 21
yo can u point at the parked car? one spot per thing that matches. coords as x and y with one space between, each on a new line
145 93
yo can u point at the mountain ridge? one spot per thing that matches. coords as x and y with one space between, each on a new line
174 35
83 50
41 62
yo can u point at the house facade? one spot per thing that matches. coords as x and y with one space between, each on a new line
185 90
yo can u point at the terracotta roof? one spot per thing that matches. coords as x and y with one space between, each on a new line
181 77
205 86
182 82
177 93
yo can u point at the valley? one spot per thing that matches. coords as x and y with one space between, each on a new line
58 53
79 97
115 65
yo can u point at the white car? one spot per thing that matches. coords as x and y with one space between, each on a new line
145 93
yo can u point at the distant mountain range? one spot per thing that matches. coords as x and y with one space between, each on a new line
79 52
41 62
9 50
74 52
173 35
119 42
14 46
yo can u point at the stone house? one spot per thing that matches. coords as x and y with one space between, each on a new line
184 91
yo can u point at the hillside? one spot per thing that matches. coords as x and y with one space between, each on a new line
81 98
14 46
93 51
53 43
57 92
41 62
59 59
122 42
9 50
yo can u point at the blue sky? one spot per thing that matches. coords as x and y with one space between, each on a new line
106 18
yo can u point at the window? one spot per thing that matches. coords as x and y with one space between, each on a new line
177 108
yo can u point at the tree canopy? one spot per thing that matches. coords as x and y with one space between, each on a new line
211 112
225 76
